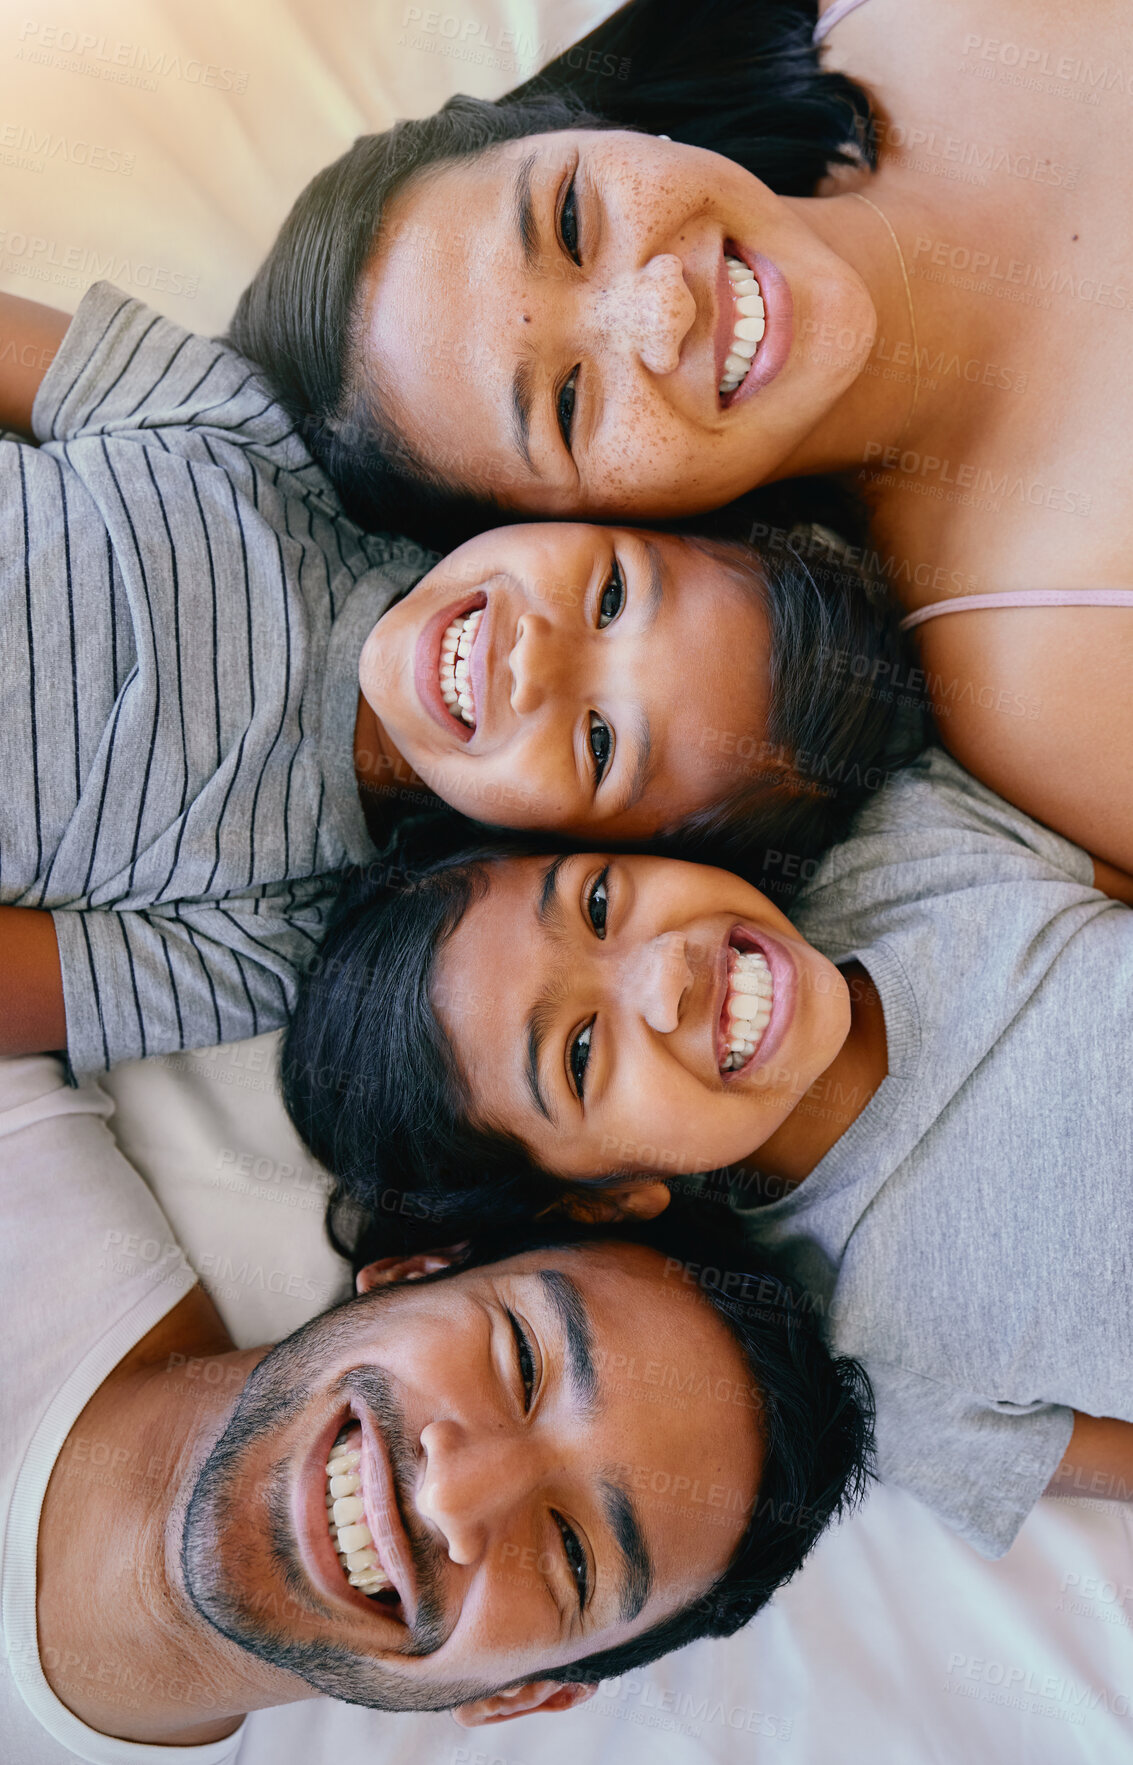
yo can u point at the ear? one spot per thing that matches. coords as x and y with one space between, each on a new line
523 1700
626 1201
389 1271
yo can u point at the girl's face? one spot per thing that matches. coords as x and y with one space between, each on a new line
616 680
551 322
601 1010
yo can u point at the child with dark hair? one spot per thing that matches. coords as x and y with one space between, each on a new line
222 692
912 1088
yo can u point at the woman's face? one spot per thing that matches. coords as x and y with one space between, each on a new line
616 680
551 322
601 1010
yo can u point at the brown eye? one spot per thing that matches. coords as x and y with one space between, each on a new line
580 1058
568 224
598 902
613 597
601 745
564 408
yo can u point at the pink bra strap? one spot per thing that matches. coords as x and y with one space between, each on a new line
1022 597
833 15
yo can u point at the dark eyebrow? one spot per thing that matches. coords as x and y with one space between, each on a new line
570 1308
548 909
525 224
522 402
637 1565
567 1301
643 770
655 588
522 386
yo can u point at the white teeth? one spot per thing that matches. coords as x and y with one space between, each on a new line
750 325
349 1532
455 677
747 1007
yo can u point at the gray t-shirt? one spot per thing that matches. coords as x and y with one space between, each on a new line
970 1236
182 609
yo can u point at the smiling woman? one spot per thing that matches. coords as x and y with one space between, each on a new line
540 244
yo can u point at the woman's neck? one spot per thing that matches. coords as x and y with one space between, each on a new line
835 1100
890 403
387 784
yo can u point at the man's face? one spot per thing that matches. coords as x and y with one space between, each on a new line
556 1452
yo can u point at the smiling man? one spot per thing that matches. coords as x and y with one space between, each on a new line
479 1488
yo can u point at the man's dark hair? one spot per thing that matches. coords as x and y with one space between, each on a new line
739 77
815 1410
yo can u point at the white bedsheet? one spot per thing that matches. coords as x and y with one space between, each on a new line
159 142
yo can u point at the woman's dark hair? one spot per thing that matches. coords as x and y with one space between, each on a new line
815 1411
740 77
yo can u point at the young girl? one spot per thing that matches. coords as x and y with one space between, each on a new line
550 305
916 1084
186 618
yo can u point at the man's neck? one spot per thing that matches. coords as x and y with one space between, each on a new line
835 1100
119 1642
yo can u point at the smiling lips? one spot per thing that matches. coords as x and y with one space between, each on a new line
455 678
346 1517
749 325
747 1007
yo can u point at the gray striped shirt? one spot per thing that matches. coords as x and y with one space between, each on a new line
182 608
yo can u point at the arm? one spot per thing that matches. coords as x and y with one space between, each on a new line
1117 884
29 336
1098 1461
32 1017
1036 703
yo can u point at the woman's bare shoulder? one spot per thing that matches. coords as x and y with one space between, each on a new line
1035 702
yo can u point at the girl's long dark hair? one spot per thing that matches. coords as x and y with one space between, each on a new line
739 77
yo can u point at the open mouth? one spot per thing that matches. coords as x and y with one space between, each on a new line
746 1012
350 1531
454 672
749 325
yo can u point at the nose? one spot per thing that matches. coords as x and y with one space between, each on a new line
651 309
470 1484
535 662
655 978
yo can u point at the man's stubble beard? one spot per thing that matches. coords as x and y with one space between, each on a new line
278 1389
